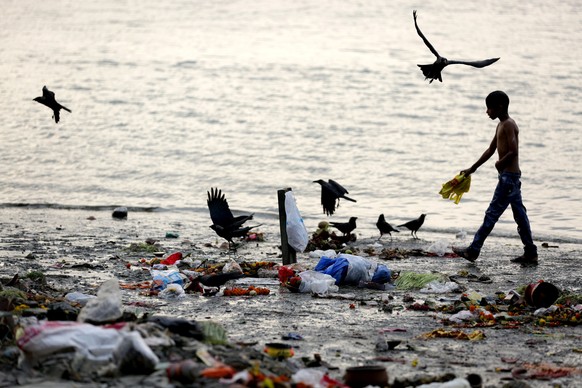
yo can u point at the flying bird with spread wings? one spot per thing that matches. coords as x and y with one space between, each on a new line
331 192
225 224
433 71
48 99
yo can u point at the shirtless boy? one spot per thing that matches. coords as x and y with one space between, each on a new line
508 190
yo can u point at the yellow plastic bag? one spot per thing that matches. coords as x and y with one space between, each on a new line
456 187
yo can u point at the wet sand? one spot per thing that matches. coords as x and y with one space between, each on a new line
78 249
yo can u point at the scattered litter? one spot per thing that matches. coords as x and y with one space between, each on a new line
172 291
436 287
439 248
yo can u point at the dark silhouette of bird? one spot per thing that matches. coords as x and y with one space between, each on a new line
225 224
331 192
433 71
384 227
345 227
212 280
48 99
229 234
414 225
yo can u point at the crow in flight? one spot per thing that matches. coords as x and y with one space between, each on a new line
48 99
225 224
345 227
414 225
384 227
433 71
331 192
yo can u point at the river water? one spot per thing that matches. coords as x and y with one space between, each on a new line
169 99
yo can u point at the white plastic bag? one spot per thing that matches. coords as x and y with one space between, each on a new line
107 307
311 377
95 343
172 291
317 282
439 247
297 235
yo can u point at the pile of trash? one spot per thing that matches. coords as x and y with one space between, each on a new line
334 270
84 337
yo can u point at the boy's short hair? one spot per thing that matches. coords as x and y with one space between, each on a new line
497 98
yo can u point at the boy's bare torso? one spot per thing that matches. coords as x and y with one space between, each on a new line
507 134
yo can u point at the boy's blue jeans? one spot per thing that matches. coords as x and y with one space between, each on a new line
507 192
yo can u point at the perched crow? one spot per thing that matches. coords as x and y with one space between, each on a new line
48 99
345 227
414 225
212 280
331 192
229 234
384 227
433 71
224 223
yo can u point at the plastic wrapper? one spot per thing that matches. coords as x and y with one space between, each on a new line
317 283
351 269
107 307
456 187
297 235
161 278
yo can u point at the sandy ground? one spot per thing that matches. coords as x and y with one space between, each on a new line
78 249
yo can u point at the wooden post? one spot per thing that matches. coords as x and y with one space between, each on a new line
289 254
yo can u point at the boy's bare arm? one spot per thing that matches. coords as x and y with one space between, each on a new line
485 157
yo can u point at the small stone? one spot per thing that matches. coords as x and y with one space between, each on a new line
120 212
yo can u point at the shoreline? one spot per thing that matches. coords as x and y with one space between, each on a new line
89 251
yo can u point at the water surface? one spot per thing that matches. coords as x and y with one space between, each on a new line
170 99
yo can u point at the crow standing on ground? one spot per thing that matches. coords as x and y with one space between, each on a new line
225 224
384 227
414 225
48 99
331 192
433 71
212 280
345 227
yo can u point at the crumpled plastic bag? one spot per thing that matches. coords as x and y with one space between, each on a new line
297 235
96 344
172 291
106 307
352 269
317 283
456 187
439 247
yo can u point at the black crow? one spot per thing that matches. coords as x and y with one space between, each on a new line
331 192
414 225
384 227
225 224
345 227
212 280
48 99
229 234
433 71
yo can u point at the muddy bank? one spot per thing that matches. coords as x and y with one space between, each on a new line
77 250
